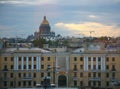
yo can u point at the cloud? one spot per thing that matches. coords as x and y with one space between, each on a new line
85 28
28 2
92 16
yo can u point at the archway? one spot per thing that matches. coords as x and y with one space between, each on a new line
62 81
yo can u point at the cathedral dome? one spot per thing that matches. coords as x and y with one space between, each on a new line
45 21
44 28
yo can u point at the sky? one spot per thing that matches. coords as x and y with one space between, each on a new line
79 18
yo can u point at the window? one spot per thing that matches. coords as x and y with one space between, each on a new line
29 83
107 67
113 75
19 58
107 75
29 58
12 58
29 66
5 83
75 83
42 66
48 58
99 74
81 83
75 74
11 67
99 67
24 75
81 66
42 74
5 66
48 74
89 74
94 67
5 58
94 74
107 83
113 68
89 83
24 83
81 74
19 83
34 83
107 59
34 75
24 58
11 75
42 58
113 59
75 67
94 58
34 58
89 66
94 83
81 58
11 83
99 59
24 66
89 58
19 66
29 75
99 83
75 58
34 66
19 75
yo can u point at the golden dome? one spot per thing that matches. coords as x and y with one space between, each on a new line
45 21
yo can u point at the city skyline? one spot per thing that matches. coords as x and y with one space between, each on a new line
68 18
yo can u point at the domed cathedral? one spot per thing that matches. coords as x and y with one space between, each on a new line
44 30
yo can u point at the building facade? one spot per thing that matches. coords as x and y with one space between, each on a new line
91 67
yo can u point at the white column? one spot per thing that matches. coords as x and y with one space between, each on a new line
22 63
67 63
103 63
32 63
26 63
39 62
91 63
36 63
56 62
15 63
85 63
96 63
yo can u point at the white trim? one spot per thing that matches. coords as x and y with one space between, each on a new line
91 63
26 63
96 63
32 63
22 63
85 63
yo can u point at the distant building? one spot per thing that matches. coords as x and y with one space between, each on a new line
44 30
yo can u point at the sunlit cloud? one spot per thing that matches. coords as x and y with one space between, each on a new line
85 28
28 2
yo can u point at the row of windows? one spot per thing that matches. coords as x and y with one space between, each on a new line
19 83
25 67
24 58
91 83
113 68
26 75
94 58
94 74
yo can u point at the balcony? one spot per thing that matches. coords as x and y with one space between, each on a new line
94 79
27 78
75 69
75 78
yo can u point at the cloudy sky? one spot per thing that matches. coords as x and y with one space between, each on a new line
20 18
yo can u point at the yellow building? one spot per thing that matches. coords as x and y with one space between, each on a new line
93 66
